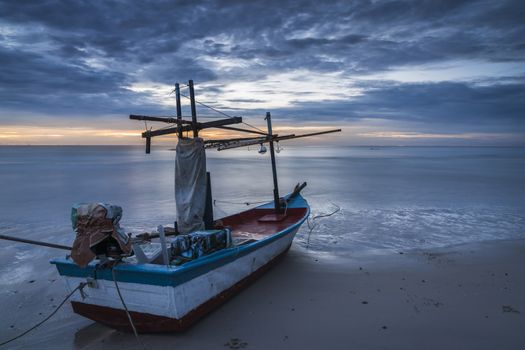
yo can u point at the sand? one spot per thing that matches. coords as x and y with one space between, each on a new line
462 297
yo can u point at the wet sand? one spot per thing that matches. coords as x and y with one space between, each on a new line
462 297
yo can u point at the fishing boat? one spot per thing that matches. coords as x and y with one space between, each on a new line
164 298
166 280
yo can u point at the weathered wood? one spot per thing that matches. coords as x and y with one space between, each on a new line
276 198
233 139
208 209
30 241
193 110
148 145
154 119
163 119
200 126
298 188
179 109
289 137
225 145
242 130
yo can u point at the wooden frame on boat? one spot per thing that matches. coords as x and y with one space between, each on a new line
162 298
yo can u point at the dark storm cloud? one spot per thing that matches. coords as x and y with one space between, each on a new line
63 56
439 106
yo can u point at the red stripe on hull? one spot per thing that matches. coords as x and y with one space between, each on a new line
148 323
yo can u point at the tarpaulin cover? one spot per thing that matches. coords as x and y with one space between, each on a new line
190 184
93 223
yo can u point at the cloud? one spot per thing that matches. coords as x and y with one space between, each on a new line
428 107
62 57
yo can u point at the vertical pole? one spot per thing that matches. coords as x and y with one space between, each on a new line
193 110
274 169
148 145
163 245
179 109
208 209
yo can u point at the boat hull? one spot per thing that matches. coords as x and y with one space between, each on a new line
171 298
150 323
155 309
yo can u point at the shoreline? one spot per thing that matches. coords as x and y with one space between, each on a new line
461 296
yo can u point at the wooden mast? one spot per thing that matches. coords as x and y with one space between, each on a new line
179 110
195 126
276 197
193 110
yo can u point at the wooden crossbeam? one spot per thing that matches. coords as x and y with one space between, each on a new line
164 119
190 127
242 130
225 145
220 144
214 141
288 137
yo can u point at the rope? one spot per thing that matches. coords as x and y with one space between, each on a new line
246 203
318 217
221 112
210 107
181 86
251 126
79 287
125 307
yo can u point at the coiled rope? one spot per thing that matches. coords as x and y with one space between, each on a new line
79 287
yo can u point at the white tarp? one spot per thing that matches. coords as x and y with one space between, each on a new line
190 184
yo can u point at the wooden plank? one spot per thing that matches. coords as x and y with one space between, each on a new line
200 126
289 137
242 130
225 145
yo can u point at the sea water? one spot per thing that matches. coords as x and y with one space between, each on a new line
381 198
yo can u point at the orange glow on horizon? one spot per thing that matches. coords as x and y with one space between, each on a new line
50 135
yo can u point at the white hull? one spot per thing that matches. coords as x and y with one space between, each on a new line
177 301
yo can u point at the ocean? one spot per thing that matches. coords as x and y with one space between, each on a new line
385 198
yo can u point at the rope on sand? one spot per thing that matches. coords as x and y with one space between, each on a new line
79 287
311 227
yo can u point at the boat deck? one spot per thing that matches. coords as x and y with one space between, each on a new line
259 223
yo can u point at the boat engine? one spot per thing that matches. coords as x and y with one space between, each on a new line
98 233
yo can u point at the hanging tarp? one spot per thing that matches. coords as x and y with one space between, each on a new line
190 184
96 223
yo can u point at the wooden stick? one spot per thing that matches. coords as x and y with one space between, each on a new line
29 241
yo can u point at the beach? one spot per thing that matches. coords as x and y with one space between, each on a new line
459 297
427 250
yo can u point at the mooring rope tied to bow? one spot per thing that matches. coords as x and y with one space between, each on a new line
80 286
125 307
313 224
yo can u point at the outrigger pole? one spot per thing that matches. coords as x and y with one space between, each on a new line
183 125
30 241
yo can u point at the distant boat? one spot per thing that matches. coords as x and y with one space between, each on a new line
130 284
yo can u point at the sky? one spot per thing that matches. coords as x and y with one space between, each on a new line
386 72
